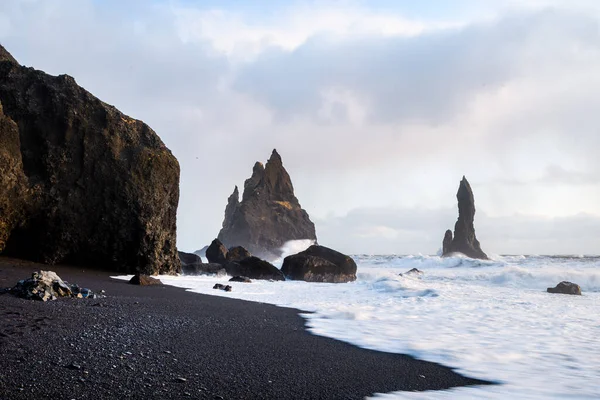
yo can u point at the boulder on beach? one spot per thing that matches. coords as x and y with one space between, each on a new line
82 182
47 285
216 252
464 240
237 253
144 280
254 268
243 279
565 287
319 264
220 286
189 258
269 214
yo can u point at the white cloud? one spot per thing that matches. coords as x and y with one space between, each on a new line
371 110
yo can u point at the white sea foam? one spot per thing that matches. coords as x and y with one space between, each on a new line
293 247
489 319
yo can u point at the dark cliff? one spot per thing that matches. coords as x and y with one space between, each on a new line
268 215
85 183
464 240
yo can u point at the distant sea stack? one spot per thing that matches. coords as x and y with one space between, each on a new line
464 240
268 215
81 182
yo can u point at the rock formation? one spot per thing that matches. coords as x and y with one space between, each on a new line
319 264
191 264
144 280
216 252
254 268
268 215
464 240
47 285
81 182
566 288
237 253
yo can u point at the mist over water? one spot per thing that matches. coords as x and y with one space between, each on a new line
489 319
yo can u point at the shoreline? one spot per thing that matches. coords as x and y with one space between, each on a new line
165 342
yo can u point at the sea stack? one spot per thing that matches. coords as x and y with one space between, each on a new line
464 240
81 182
268 215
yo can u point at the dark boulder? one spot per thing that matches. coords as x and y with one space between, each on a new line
144 280
269 214
464 240
220 286
189 258
254 268
237 253
203 269
566 288
216 252
320 264
243 279
82 182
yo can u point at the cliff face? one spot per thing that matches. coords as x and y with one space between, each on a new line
464 240
85 183
268 215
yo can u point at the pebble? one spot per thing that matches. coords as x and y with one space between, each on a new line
180 379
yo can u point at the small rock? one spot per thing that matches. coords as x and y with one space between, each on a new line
566 288
181 379
413 272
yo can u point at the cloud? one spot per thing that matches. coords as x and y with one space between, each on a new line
372 107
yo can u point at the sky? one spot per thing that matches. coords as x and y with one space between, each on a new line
378 108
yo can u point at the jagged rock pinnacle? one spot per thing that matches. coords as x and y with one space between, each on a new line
6 56
268 215
464 240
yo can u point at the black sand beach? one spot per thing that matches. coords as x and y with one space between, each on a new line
164 343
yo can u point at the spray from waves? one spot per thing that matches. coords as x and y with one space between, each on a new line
292 247
524 272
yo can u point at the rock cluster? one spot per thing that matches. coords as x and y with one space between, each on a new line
269 214
319 264
47 285
566 288
237 261
81 182
191 264
464 240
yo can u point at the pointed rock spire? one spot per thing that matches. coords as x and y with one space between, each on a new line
6 56
233 203
464 240
268 215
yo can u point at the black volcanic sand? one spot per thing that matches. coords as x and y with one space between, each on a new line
163 342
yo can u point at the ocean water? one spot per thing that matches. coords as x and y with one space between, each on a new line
488 319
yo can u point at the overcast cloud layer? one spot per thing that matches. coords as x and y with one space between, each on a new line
377 108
